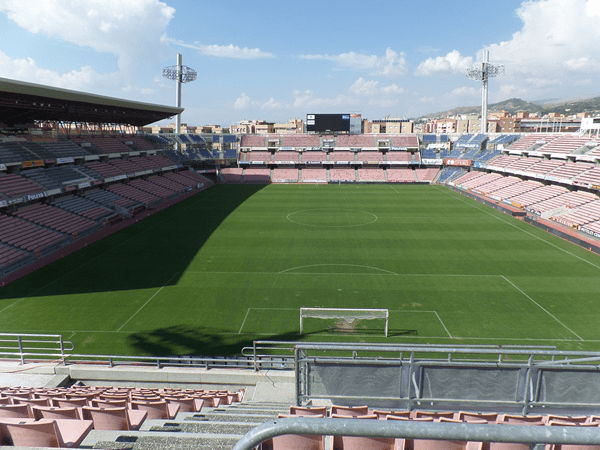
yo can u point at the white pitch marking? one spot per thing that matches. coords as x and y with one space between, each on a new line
244 322
147 301
440 319
541 307
347 265
524 231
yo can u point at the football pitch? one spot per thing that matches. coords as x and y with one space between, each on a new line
235 263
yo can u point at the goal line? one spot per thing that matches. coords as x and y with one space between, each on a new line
347 314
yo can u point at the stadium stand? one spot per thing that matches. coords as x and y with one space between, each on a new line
314 156
581 215
409 142
302 140
426 175
83 207
132 193
404 157
342 156
365 156
57 219
395 175
281 175
310 175
449 174
430 153
538 195
27 236
253 140
232 174
374 174
561 203
356 141
532 141
252 175
338 174
12 185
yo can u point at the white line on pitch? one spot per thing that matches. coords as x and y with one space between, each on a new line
440 319
244 322
148 301
489 213
540 306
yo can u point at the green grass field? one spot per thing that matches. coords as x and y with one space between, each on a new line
236 262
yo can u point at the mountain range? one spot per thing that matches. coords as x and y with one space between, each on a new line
541 107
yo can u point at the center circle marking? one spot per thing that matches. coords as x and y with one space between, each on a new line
332 218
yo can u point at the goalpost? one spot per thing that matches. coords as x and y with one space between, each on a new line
347 314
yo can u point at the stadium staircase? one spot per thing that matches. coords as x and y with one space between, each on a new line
212 428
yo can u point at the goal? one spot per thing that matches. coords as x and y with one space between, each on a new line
349 315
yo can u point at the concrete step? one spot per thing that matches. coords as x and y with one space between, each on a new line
170 441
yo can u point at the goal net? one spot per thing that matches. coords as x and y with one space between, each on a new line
348 315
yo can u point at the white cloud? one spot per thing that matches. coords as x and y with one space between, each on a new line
130 30
453 62
27 69
307 100
242 102
390 64
364 87
221 51
464 92
271 104
559 38
371 88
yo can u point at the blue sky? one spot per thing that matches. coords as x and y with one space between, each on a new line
275 60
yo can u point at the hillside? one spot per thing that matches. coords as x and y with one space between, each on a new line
515 105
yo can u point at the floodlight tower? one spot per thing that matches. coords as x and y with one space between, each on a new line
180 74
484 71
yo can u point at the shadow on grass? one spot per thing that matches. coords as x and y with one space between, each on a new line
182 340
151 253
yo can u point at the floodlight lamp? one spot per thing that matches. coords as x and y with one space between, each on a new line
184 74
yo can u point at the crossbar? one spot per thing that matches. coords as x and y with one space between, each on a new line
344 313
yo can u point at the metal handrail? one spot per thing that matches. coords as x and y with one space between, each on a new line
534 435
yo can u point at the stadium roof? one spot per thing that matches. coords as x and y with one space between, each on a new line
24 103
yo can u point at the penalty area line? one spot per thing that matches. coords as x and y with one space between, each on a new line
542 308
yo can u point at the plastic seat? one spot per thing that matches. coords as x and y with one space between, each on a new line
465 416
308 411
349 410
157 410
436 444
360 442
78 402
382 414
562 423
31 401
119 418
22 411
570 419
100 403
520 420
515 420
436 415
186 404
295 441
51 412
48 433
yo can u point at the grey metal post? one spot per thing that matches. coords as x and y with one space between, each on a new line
178 83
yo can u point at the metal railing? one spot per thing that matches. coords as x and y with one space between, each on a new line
536 436
34 346
517 379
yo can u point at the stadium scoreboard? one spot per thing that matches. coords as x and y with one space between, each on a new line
319 123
